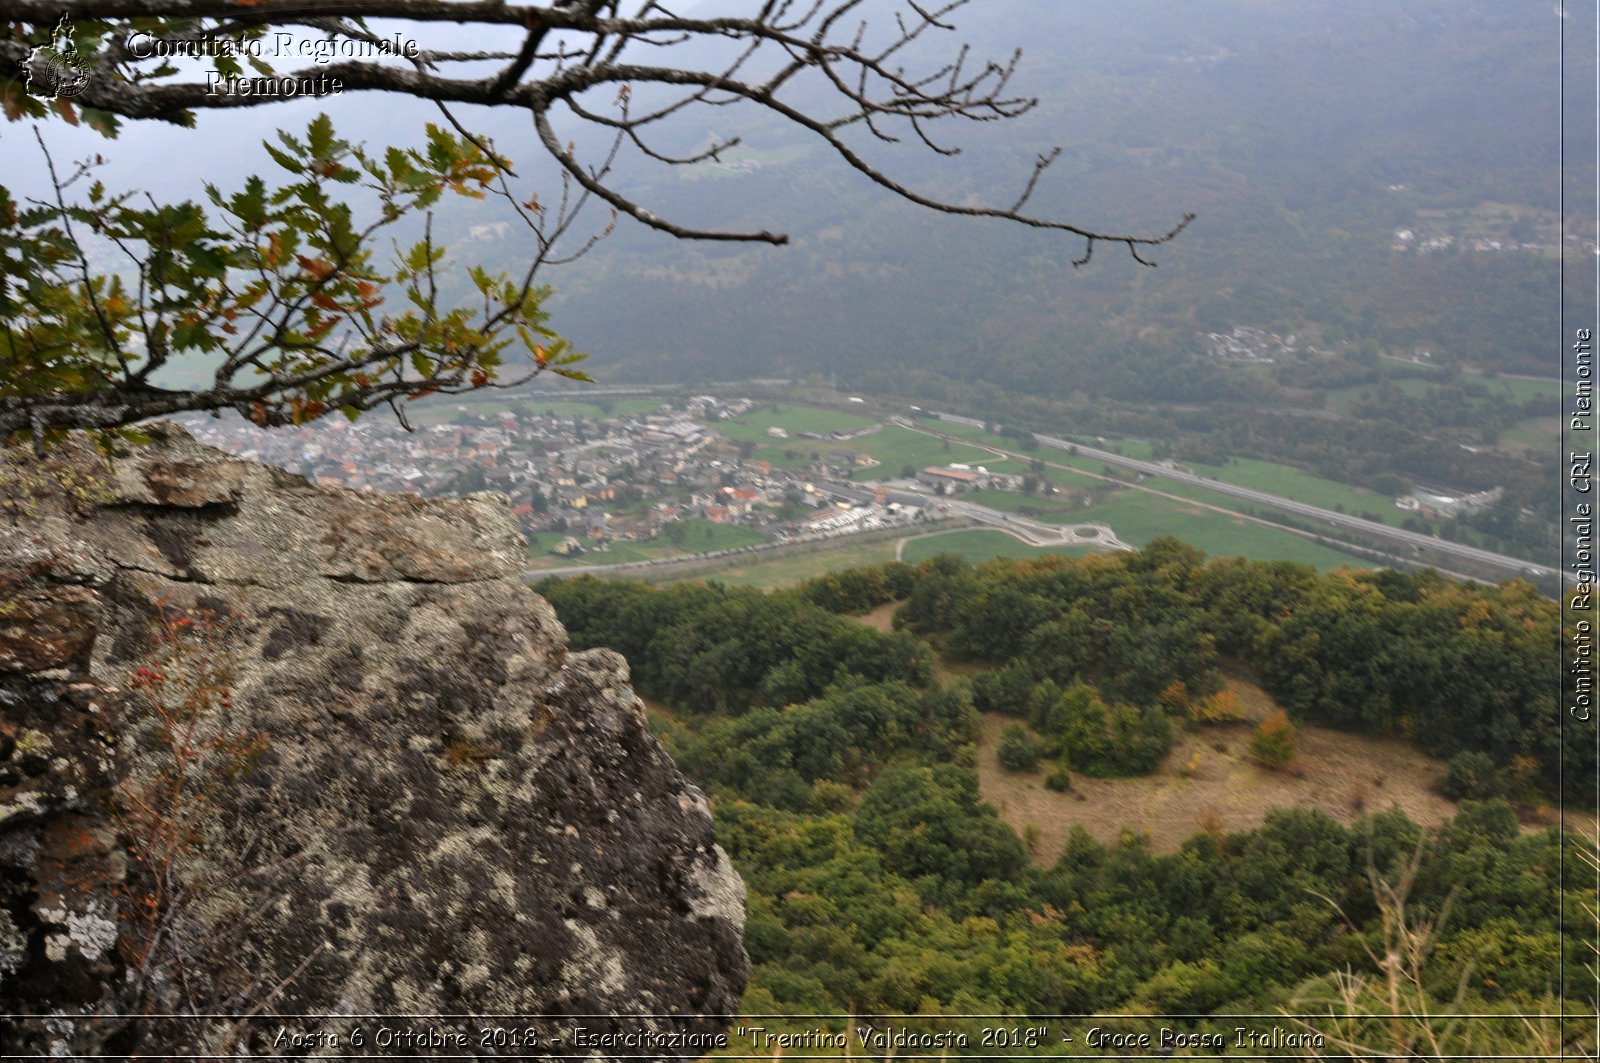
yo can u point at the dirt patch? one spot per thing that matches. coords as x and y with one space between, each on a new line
944 669
1344 775
881 618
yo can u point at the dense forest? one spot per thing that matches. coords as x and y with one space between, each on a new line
843 778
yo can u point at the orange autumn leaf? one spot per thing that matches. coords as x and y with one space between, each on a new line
320 268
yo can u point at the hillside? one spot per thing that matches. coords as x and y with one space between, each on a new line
846 732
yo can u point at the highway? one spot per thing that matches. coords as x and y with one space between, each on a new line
1330 516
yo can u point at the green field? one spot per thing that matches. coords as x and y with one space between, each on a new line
794 420
752 428
1539 433
1130 448
790 569
1056 509
965 431
1342 400
1300 486
701 537
1138 517
892 447
1522 390
895 447
979 546
1258 475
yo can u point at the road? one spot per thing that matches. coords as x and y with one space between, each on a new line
1301 509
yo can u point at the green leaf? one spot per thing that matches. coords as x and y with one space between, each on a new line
320 136
207 262
250 205
442 148
288 162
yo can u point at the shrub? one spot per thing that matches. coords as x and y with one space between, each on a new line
1018 751
1275 740
1472 776
1059 780
1221 707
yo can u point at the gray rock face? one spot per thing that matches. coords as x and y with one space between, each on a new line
401 794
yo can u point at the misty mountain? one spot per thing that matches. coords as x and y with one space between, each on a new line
1305 138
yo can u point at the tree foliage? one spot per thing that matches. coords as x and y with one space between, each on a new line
1017 749
880 882
277 285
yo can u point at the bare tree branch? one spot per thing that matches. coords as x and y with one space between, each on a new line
296 330
871 89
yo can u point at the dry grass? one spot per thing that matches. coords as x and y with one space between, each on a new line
881 618
944 669
1344 775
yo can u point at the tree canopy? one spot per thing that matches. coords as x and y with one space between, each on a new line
845 779
278 284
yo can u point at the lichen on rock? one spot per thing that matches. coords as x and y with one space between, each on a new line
445 813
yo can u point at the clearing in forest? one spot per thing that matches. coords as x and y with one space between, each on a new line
1345 775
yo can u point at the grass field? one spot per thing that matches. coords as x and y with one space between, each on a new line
980 546
1210 779
1055 509
1341 400
1138 517
897 447
1522 390
701 536
752 427
1301 487
794 420
1131 448
1541 435
1258 475
965 431
892 447
791 569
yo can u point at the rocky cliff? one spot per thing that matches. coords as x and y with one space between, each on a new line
280 753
